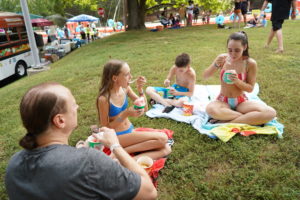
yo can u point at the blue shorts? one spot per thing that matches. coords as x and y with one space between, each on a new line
177 87
129 130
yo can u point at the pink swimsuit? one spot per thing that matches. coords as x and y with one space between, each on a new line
233 102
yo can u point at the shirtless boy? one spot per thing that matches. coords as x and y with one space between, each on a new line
185 78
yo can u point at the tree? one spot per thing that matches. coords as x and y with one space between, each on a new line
136 14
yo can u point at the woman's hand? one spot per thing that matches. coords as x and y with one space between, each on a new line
234 78
135 112
108 138
220 60
140 82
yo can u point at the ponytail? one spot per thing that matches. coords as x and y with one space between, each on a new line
28 141
37 108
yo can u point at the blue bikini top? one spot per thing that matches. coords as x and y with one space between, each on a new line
115 110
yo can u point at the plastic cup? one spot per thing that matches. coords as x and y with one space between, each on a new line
226 76
145 162
138 107
187 108
93 143
139 103
168 94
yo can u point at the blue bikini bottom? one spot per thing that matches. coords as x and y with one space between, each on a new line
129 130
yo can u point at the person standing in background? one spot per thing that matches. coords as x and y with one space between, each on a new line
208 16
190 9
237 12
196 12
245 6
280 12
182 14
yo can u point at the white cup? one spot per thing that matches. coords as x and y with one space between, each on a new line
145 162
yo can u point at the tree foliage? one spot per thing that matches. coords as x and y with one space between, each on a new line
39 7
50 7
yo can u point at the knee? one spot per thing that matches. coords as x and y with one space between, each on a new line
270 113
149 90
211 111
167 150
162 139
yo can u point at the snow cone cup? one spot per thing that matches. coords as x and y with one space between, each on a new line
139 103
226 76
168 94
93 143
187 108
146 163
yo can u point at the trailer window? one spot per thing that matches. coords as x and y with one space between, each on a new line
23 33
3 38
13 34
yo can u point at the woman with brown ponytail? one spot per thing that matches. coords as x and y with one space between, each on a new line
48 168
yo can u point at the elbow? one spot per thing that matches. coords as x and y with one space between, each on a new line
250 89
205 75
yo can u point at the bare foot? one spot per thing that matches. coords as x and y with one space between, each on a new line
279 51
266 46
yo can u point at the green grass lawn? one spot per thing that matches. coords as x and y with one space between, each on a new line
255 167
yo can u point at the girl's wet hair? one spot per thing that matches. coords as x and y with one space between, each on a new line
240 36
37 108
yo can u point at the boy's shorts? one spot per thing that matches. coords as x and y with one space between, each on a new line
163 91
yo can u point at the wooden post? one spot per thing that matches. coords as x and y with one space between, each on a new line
125 13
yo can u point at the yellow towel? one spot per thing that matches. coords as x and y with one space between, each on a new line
226 131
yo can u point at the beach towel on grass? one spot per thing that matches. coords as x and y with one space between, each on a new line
204 94
226 131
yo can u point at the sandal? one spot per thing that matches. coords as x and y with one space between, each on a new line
170 142
80 144
152 102
168 109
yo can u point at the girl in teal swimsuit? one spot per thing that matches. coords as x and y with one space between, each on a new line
113 111
232 105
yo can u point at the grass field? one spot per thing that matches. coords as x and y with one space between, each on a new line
256 167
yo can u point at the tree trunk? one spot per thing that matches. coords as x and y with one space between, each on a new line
136 14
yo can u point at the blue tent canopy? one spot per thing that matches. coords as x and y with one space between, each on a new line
83 18
32 16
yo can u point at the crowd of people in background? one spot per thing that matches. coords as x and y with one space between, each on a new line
188 15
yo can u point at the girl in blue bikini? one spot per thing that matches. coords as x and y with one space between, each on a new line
112 105
232 104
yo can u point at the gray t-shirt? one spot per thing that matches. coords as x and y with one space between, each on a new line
64 172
